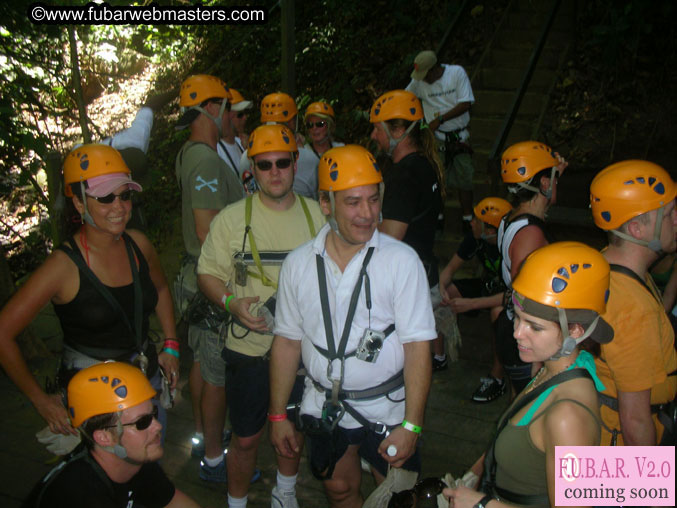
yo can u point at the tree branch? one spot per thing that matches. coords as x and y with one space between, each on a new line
77 85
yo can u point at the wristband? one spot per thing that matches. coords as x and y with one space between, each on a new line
411 427
277 418
174 344
225 300
171 352
482 503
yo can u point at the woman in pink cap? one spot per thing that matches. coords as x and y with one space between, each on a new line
104 283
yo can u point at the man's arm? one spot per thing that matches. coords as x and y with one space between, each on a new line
460 305
284 361
447 275
417 377
457 110
634 412
203 218
394 228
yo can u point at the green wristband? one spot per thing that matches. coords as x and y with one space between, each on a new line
411 427
226 304
170 351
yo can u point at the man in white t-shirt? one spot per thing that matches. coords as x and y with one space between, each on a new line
365 389
230 147
446 95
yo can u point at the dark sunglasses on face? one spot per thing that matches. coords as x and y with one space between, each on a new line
268 165
242 114
319 125
144 421
109 198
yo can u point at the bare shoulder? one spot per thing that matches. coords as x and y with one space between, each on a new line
142 241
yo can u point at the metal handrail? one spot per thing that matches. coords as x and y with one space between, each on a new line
497 148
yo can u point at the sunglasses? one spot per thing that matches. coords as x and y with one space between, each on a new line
144 421
242 114
319 125
109 198
268 165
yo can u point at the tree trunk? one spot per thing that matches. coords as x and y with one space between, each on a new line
77 85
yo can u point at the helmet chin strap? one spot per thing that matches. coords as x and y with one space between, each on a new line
525 185
655 243
393 142
485 236
569 343
217 120
86 216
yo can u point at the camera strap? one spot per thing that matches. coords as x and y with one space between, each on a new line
333 352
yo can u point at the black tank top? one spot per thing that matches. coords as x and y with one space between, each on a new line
89 320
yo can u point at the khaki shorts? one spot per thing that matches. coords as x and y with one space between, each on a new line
207 347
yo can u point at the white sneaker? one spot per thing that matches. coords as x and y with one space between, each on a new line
283 499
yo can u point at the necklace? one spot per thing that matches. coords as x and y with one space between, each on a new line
537 381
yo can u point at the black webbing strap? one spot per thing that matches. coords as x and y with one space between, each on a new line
130 246
633 275
490 458
333 353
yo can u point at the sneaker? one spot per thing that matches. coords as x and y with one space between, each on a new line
489 389
198 445
439 365
283 499
217 474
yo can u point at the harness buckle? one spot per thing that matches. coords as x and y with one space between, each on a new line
332 413
380 428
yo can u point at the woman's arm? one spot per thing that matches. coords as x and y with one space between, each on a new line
566 424
47 283
526 241
165 306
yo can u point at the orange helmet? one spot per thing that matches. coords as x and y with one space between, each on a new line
627 189
492 210
566 275
566 282
235 96
396 104
321 109
89 161
278 107
521 161
271 138
345 167
106 388
200 87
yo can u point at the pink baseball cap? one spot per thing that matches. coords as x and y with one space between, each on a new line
101 186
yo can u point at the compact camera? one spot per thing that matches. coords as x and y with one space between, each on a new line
370 345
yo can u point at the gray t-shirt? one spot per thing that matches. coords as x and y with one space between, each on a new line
206 182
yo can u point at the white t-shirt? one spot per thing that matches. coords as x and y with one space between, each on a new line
230 153
442 96
400 296
137 135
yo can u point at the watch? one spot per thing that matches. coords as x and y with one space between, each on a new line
482 503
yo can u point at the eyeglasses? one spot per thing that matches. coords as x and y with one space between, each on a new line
319 125
268 165
109 198
144 421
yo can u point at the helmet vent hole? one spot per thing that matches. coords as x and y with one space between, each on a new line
659 188
586 266
193 95
522 170
563 272
606 216
115 382
574 268
628 182
652 180
121 391
558 285
104 379
640 179
606 296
